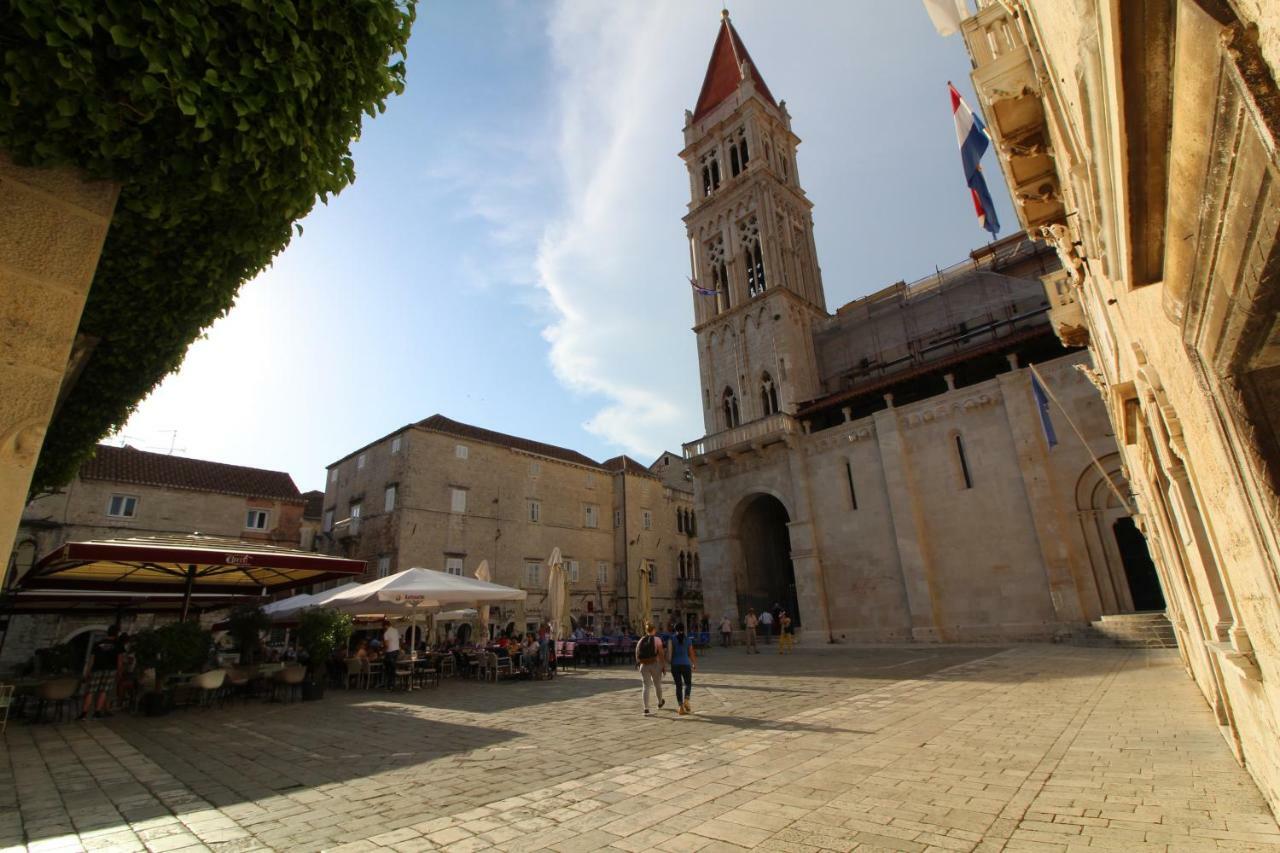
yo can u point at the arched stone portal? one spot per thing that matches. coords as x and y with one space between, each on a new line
1122 567
764 575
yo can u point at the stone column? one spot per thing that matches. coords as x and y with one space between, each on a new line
1046 501
52 226
908 529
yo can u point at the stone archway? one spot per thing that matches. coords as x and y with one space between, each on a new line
1139 569
765 576
1122 568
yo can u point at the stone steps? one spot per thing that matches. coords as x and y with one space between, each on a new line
1129 630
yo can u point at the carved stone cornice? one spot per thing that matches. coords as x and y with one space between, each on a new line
928 414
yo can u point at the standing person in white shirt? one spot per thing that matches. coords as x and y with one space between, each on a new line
766 619
390 652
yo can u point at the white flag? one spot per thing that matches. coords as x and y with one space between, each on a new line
946 15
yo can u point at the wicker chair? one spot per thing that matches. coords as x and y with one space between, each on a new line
290 680
59 692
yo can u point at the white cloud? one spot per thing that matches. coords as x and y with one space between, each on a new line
613 266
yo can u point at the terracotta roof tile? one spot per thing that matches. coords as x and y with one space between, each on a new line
621 464
140 467
724 73
439 423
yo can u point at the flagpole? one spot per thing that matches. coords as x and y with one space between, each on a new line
1124 502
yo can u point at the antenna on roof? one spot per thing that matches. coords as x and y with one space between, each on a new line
173 440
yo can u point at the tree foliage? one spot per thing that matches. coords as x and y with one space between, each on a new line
245 624
224 121
320 631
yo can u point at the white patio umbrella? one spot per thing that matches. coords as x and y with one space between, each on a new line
415 591
288 608
557 595
482 573
322 599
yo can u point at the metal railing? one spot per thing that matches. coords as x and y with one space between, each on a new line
775 425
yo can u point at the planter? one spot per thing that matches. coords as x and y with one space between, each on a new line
154 704
312 692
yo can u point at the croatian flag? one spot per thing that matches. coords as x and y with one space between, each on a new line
701 291
1042 403
972 136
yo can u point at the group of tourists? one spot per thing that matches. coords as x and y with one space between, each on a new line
771 623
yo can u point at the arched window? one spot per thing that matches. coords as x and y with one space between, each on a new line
735 165
729 403
719 274
697 566
681 565
679 520
966 478
693 523
743 152
752 256
768 395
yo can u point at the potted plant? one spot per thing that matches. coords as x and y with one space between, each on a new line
246 624
174 648
320 631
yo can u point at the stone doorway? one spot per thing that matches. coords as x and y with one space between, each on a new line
1139 570
764 574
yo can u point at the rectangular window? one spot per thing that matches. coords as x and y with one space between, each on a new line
453 565
395 444
591 516
534 469
389 498
122 506
458 500
571 568
384 566
360 460
648 520
653 572
964 463
328 520
460 451
617 518
255 519
602 573
853 494
333 475
354 512
532 573
535 512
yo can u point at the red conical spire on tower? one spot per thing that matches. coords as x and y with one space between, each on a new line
724 71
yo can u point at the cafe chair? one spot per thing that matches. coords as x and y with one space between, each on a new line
59 692
289 680
207 686
358 672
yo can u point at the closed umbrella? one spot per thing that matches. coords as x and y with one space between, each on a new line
646 601
557 597
482 573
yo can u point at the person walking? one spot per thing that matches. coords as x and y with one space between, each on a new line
751 623
766 626
390 652
100 674
785 636
726 631
683 661
649 660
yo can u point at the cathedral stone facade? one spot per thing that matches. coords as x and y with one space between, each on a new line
887 472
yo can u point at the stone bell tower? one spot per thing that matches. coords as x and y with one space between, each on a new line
758 288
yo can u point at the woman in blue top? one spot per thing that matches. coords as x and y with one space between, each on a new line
683 660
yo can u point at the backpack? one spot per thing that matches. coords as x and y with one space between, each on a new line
647 652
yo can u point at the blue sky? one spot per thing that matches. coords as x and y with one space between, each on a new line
511 254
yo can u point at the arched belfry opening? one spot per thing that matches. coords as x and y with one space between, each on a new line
764 575
1139 570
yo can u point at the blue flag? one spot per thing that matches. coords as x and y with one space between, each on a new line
1042 403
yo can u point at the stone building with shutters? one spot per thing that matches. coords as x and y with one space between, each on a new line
124 492
1140 142
887 472
439 494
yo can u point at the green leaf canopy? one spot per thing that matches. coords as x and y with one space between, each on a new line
224 121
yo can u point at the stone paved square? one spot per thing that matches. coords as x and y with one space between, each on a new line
1031 748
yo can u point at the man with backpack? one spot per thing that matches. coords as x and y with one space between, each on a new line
649 661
